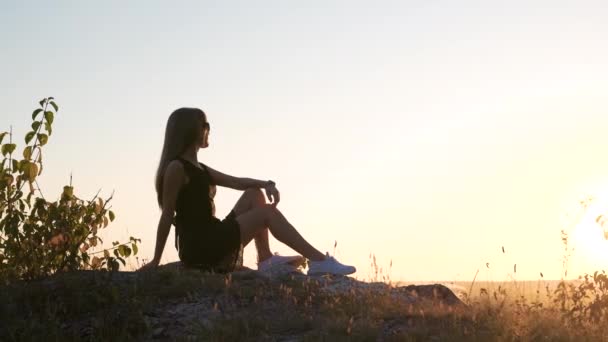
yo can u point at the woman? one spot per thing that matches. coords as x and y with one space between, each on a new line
185 189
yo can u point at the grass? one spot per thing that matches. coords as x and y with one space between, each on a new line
246 307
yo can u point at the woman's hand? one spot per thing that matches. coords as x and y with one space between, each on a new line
149 266
273 194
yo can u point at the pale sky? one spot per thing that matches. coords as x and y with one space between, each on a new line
429 133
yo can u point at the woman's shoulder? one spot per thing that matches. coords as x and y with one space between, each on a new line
176 162
175 166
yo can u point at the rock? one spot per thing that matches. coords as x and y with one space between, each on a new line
187 301
158 331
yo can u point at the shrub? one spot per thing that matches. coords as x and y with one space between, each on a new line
38 237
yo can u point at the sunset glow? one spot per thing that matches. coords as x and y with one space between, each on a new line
429 134
589 236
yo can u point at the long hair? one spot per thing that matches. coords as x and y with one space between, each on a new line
183 129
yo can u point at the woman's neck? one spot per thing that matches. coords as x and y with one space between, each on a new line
191 154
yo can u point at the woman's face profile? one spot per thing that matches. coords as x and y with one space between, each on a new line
204 136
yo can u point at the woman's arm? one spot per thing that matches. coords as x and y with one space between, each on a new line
164 226
246 183
237 183
172 182
243 183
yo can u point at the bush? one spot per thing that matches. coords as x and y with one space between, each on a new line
37 237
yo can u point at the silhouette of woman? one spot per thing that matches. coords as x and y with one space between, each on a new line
185 190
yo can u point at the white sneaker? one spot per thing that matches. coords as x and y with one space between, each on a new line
276 259
329 265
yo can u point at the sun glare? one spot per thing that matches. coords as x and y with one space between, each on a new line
590 235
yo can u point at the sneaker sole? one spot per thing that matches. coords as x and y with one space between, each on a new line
296 261
325 273
282 269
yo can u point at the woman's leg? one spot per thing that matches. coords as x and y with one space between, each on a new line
257 219
254 198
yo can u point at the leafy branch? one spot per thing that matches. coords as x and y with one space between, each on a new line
46 237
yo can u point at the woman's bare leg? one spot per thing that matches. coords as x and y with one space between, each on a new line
254 220
253 198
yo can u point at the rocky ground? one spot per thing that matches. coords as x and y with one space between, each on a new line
173 303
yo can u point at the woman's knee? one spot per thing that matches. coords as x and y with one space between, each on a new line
256 195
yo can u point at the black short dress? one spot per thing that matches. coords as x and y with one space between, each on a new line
202 240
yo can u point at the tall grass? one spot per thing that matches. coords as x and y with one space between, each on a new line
244 306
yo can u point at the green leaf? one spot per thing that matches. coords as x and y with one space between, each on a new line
48 127
29 136
23 166
27 153
68 191
31 171
8 148
54 106
49 116
9 178
36 112
43 139
35 125
2 136
15 165
112 216
42 102
135 249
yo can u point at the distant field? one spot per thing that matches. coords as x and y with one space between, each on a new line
531 289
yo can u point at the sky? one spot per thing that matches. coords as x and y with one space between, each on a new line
426 134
